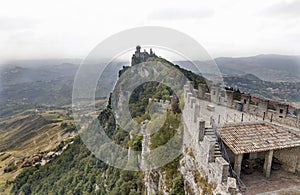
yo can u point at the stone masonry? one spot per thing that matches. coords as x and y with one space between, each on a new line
202 142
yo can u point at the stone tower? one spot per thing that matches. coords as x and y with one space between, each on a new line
246 98
139 56
138 51
201 90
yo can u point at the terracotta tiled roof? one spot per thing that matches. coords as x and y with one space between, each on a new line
249 138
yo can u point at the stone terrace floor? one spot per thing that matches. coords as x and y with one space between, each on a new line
234 116
280 182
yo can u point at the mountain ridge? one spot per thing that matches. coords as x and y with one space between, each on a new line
267 67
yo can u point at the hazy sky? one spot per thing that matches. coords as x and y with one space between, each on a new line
70 29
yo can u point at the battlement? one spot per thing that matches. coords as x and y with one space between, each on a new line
270 110
201 139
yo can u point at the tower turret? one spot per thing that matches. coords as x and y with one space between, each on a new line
138 48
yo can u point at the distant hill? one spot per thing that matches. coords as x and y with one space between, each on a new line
266 67
251 77
271 76
275 68
12 74
29 84
274 90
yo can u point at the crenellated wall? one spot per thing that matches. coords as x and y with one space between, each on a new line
202 142
261 107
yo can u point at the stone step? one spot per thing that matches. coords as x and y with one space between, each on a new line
208 130
212 136
218 152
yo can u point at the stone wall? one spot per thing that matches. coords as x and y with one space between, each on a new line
252 105
290 158
201 145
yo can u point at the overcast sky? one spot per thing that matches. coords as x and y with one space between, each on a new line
70 29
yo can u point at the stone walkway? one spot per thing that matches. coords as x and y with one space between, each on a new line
280 182
229 115
289 191
226 114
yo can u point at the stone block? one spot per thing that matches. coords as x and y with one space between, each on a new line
223 167
231 185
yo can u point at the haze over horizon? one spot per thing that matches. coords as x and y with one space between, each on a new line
71 29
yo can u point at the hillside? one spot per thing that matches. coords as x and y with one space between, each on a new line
282 91
78 171
30 133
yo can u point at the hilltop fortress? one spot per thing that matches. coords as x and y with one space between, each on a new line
139 56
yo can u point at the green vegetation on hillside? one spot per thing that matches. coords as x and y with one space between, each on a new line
167 131
139 99
272 90
77 171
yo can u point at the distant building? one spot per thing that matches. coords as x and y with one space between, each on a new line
139 56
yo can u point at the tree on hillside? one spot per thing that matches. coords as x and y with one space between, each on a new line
175 104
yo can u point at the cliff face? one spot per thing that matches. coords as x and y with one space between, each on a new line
154 183
154 179
188 169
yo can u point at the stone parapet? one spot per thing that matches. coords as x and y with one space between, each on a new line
202 145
